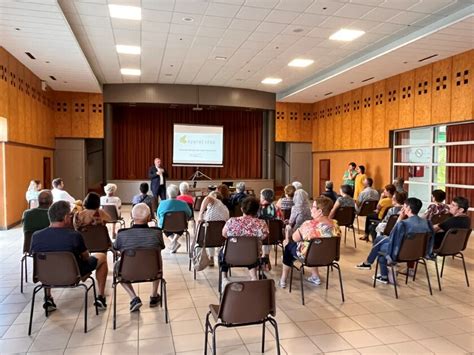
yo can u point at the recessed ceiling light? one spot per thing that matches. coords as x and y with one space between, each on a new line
123 49
346 35
18 29
125 12
300 63
271 81
187 19
129 71
220 57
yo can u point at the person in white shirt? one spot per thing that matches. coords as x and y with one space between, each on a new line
110 199
59 194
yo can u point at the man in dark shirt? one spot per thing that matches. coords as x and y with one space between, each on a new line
239 195
60 236
35 219
458 208
139 236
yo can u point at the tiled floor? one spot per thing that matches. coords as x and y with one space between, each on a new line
371 321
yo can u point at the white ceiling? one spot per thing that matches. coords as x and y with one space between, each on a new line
256 36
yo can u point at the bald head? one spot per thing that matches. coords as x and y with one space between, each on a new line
141 213
45 198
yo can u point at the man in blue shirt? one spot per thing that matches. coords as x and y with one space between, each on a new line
390 246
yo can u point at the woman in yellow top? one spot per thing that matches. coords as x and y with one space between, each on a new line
359 181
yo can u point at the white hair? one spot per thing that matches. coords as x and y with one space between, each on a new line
297 185
172 191
140 211
240 186
301 198
110 188
184 187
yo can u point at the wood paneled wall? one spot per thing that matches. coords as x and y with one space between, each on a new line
293 122
436 93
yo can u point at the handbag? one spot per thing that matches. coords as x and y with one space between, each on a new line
200 257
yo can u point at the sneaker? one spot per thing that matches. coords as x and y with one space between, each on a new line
100 302
282 284
225 281
135 304
211 261
381 279
314 280
49 304
364 266
175 249
155 301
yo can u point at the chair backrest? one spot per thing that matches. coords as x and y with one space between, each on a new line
440 218
392 220
413 247
96 238
345 216
454 241
236 211
27 242
367 207
111 210
198 202
276 232
323 251
286 214
250 192
241 251
212 232
174 222
140 265
55 268
247 302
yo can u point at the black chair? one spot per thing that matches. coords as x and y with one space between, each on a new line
59 270
345 218
453 244
97 239
392 220
412 249
198 202
236 211
368 207
276 235
321 252
177 222
209 234
244 303
24 261
136 266
440 218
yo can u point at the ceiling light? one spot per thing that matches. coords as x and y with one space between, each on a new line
271 81
220 57
128 49
129 71
125 12
346 35
300 63
187 19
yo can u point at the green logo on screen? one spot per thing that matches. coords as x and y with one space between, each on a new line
183 140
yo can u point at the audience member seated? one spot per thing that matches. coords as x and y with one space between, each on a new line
301 211
184 194
458 209
267 211
359 181
60 236
140 235
92 214
110 198
32 193
345 200
286 203
390 245
35 219
437 205
320 226
212 209
297 185
329 191
399 182
398 200
247 225
350 175
367 194
172 205
143 197
59 194
239 195
224 191
385 202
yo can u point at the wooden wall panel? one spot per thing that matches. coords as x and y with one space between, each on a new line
294 122
80 115
337 123
4 83
96 116
367 108
392 90
306 111
62 115
315 128
356 118
281 125
330 110
379 133
322 125
407 99
28 104
13 98
441 91
422 113
22 120
35 109
346 125
462 87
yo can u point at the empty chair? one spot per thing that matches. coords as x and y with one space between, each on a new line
244 303
198 202
453 244
23 261
111 210
276 235
97 239
208 234
321 252
59 270
345 218
177 222
412 249
136 266
366 208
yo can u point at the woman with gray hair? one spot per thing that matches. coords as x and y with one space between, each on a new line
110 198
184 194
300 212
240 194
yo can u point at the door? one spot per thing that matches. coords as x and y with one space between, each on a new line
47 173
324 174
70 165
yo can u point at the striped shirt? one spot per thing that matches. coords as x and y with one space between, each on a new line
139 236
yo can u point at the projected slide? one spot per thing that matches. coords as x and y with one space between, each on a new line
198 145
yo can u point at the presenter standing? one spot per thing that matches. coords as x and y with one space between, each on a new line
158 175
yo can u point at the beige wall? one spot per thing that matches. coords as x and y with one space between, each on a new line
376 161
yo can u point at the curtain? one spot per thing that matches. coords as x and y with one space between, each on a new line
141 133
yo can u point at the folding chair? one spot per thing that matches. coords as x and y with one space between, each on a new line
345 218
24 261
209 234
276 235
97 240
111 210
177 222
366 209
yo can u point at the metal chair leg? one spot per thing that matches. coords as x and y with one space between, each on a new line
338 267
114 286
21 273
414 273
206 331
355 239
437 272
86 293
442 267
345 234
291 277
214 350
302 286
36 290
263 338
465 270
427 276
165 296
394 282
95 296
327 278
376 269
277 336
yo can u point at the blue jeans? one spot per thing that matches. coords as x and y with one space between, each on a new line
380 245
